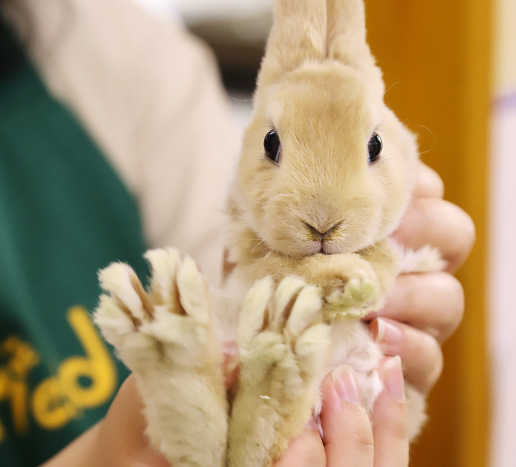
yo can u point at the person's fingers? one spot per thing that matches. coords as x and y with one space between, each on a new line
306 450
438 223
429 184
431 302
347 431
390 421
420 352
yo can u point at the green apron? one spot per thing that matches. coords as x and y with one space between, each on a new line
64 214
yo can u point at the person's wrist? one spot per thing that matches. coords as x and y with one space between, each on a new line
84 451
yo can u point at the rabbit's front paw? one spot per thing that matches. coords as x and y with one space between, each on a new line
283 356
353 296
349 285
165 336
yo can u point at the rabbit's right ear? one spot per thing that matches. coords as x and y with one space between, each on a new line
347 42
298 33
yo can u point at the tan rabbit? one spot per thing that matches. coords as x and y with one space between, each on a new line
326 169
325 174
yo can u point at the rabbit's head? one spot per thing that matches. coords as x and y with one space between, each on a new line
326 167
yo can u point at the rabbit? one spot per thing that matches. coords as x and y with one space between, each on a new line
325 174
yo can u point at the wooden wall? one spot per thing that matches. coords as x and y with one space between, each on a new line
437 62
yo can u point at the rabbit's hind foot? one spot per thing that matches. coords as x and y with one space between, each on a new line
165 336
283 356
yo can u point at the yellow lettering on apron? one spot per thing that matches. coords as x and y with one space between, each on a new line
50 405
97 367
21 358
82 381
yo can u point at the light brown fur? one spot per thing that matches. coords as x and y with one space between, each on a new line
320 90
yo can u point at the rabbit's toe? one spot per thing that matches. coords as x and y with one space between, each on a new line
168 322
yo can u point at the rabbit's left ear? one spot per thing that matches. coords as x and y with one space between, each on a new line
346 34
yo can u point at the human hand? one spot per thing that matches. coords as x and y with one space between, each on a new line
424 309
350 438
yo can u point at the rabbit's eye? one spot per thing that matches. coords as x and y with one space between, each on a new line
375 148
272 146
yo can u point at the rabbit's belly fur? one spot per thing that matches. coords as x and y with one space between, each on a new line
351 344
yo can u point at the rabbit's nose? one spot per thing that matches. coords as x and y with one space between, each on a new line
322 235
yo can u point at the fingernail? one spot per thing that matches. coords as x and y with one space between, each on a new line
393 379
345 384
385 332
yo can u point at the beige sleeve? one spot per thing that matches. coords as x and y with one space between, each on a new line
149 95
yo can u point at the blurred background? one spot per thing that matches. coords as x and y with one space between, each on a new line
451 76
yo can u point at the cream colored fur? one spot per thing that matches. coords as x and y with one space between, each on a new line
320 90
165 337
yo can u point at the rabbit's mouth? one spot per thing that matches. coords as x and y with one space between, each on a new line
322 246
299 238
298 247
325 247
316 225
328 248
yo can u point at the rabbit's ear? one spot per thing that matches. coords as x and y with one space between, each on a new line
346 38
298 34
